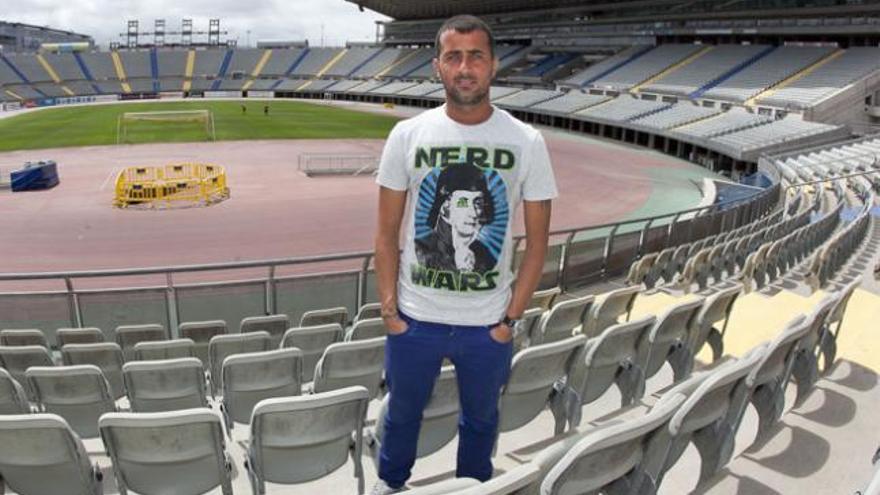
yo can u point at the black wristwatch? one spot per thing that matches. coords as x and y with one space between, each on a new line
510 322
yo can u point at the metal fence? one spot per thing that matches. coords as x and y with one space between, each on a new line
337 164
232 291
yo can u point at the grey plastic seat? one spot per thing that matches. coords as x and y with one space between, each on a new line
107 356
346 364
312 341
805 368
17 359
661 268
201 333
300 439
562 321
13 399
828 344
614 458
669 340
30 336
164 349
252 377
608 308
324 316
87 335
716 308
639 271
80 394
274 325
127 336
514 481
874 485
609 359
369 310
223 346
41 455
536 375
524 333
544 299
695 271
366 329
167 452
439 419
165 385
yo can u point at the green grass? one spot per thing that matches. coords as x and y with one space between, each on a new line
96 124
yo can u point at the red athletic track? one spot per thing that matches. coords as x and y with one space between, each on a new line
274 211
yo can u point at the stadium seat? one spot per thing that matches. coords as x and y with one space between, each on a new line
669 340
563 320
640 271
87 335
201 333
369 310
23 337
524 334
164 349
345 364
716 308
127 336
828 344
312 341
325 316
299 439
16 360
275 325
608 308
251 377
517 480
544 299
805 368
167 452
80 394
165 385
41 455
106 356
13 399
223 346
369 328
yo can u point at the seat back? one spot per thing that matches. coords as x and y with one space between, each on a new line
609 308
524 335
86 335
13 399
818 320
533 373
274 325
777 357
672 332
346 364
164 349
17 359
30 336
167 452
312 341
39 453
107 356
369 310
299 439
223 346
201 333
79 394
610 453
366 329
717 307
325 316
251 377
544 299
127 336
560 322
165 385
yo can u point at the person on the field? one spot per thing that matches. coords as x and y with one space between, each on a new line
453 177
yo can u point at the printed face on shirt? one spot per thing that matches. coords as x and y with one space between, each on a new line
466 67
465 208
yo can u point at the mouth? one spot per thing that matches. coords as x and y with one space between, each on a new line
466 84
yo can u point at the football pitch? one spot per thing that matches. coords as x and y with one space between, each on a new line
96 124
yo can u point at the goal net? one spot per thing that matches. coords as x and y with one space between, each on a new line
184 125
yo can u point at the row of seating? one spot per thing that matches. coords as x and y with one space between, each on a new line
832 256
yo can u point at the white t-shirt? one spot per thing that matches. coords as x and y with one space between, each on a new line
465 183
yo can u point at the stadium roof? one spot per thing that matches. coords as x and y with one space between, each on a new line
432 9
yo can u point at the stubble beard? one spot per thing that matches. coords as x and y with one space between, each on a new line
457 98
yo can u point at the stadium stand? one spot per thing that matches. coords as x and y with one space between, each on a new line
717 63
315 60
648 65
622 109
354 58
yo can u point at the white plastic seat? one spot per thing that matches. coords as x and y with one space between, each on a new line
514 481
164 349
17 359
312 341
22 337
669 340
13 399
369 310
366 329
127 336
165 385
346 364
608 308
201 333
41 455
167 452
252 377
86 335
274 325
223 346
563 319
524 333
717 307
299 439
325 316
544 299
80 394
107 356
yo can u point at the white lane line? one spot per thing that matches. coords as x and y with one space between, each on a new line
110 176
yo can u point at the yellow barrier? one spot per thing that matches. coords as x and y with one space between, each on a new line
186 184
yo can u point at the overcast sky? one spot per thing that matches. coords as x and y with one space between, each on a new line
265 19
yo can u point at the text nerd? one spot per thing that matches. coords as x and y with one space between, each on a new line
444 156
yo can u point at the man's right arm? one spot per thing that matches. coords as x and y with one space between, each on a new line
387 257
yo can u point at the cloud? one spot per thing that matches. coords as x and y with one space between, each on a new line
243 21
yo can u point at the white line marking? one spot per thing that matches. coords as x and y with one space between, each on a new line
110 176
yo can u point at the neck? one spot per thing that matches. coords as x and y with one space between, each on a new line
470 114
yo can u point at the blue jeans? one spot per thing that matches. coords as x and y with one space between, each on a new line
412 364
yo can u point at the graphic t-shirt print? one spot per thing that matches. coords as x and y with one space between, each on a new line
461 217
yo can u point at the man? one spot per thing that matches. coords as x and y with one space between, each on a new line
456 175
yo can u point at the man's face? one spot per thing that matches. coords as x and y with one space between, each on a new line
466 67
465 210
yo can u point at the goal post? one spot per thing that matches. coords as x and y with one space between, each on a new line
129 121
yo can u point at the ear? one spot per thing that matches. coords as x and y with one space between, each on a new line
495 64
